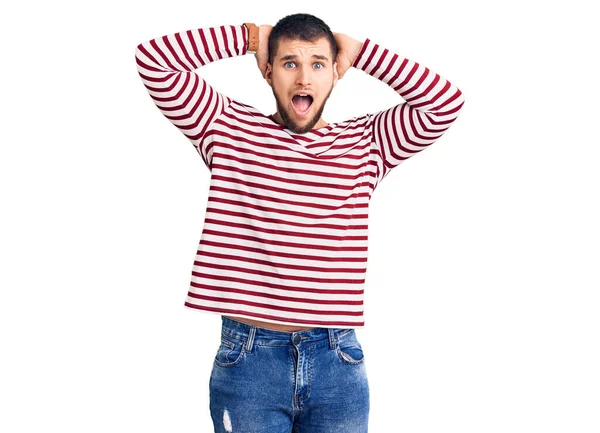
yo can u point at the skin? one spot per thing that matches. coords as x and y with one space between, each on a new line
302 67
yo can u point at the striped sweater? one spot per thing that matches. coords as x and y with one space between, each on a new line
285 231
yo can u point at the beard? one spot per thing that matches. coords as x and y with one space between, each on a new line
289 122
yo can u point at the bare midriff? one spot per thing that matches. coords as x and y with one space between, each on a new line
268 325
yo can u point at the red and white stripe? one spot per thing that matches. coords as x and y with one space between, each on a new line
285 230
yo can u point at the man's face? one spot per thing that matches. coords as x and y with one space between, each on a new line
302 77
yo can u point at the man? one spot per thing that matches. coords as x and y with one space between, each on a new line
282 256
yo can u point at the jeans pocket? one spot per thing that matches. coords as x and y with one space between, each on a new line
349 349
230 352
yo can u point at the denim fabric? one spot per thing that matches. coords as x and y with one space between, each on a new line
267 381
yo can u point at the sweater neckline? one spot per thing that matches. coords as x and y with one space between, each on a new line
315 143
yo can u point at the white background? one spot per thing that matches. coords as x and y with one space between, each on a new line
482 290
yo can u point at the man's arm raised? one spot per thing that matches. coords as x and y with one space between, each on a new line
166 65
430 102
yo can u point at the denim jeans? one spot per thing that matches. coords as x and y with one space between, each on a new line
267 381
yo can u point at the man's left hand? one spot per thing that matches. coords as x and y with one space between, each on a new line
348 50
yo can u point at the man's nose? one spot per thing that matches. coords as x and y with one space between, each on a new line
303 78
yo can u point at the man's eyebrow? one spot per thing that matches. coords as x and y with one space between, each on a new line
294 57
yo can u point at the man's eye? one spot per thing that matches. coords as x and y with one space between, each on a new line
318 65
289 64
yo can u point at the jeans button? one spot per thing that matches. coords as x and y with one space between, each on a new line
296 339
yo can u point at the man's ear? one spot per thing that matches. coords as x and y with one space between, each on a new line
269 74
336 76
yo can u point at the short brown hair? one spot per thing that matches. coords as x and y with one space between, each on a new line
300 26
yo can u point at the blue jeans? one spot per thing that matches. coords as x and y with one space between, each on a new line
267 381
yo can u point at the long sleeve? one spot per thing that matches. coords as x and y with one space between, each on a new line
166 65
431 103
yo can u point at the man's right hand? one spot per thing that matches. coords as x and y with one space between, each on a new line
262 55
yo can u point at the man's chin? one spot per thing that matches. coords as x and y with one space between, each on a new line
300 129
305 123
287 120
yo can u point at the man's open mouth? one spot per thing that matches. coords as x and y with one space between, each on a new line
302 103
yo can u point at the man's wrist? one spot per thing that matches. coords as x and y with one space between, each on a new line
252 37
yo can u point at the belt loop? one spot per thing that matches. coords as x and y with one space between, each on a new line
332 339
250 341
